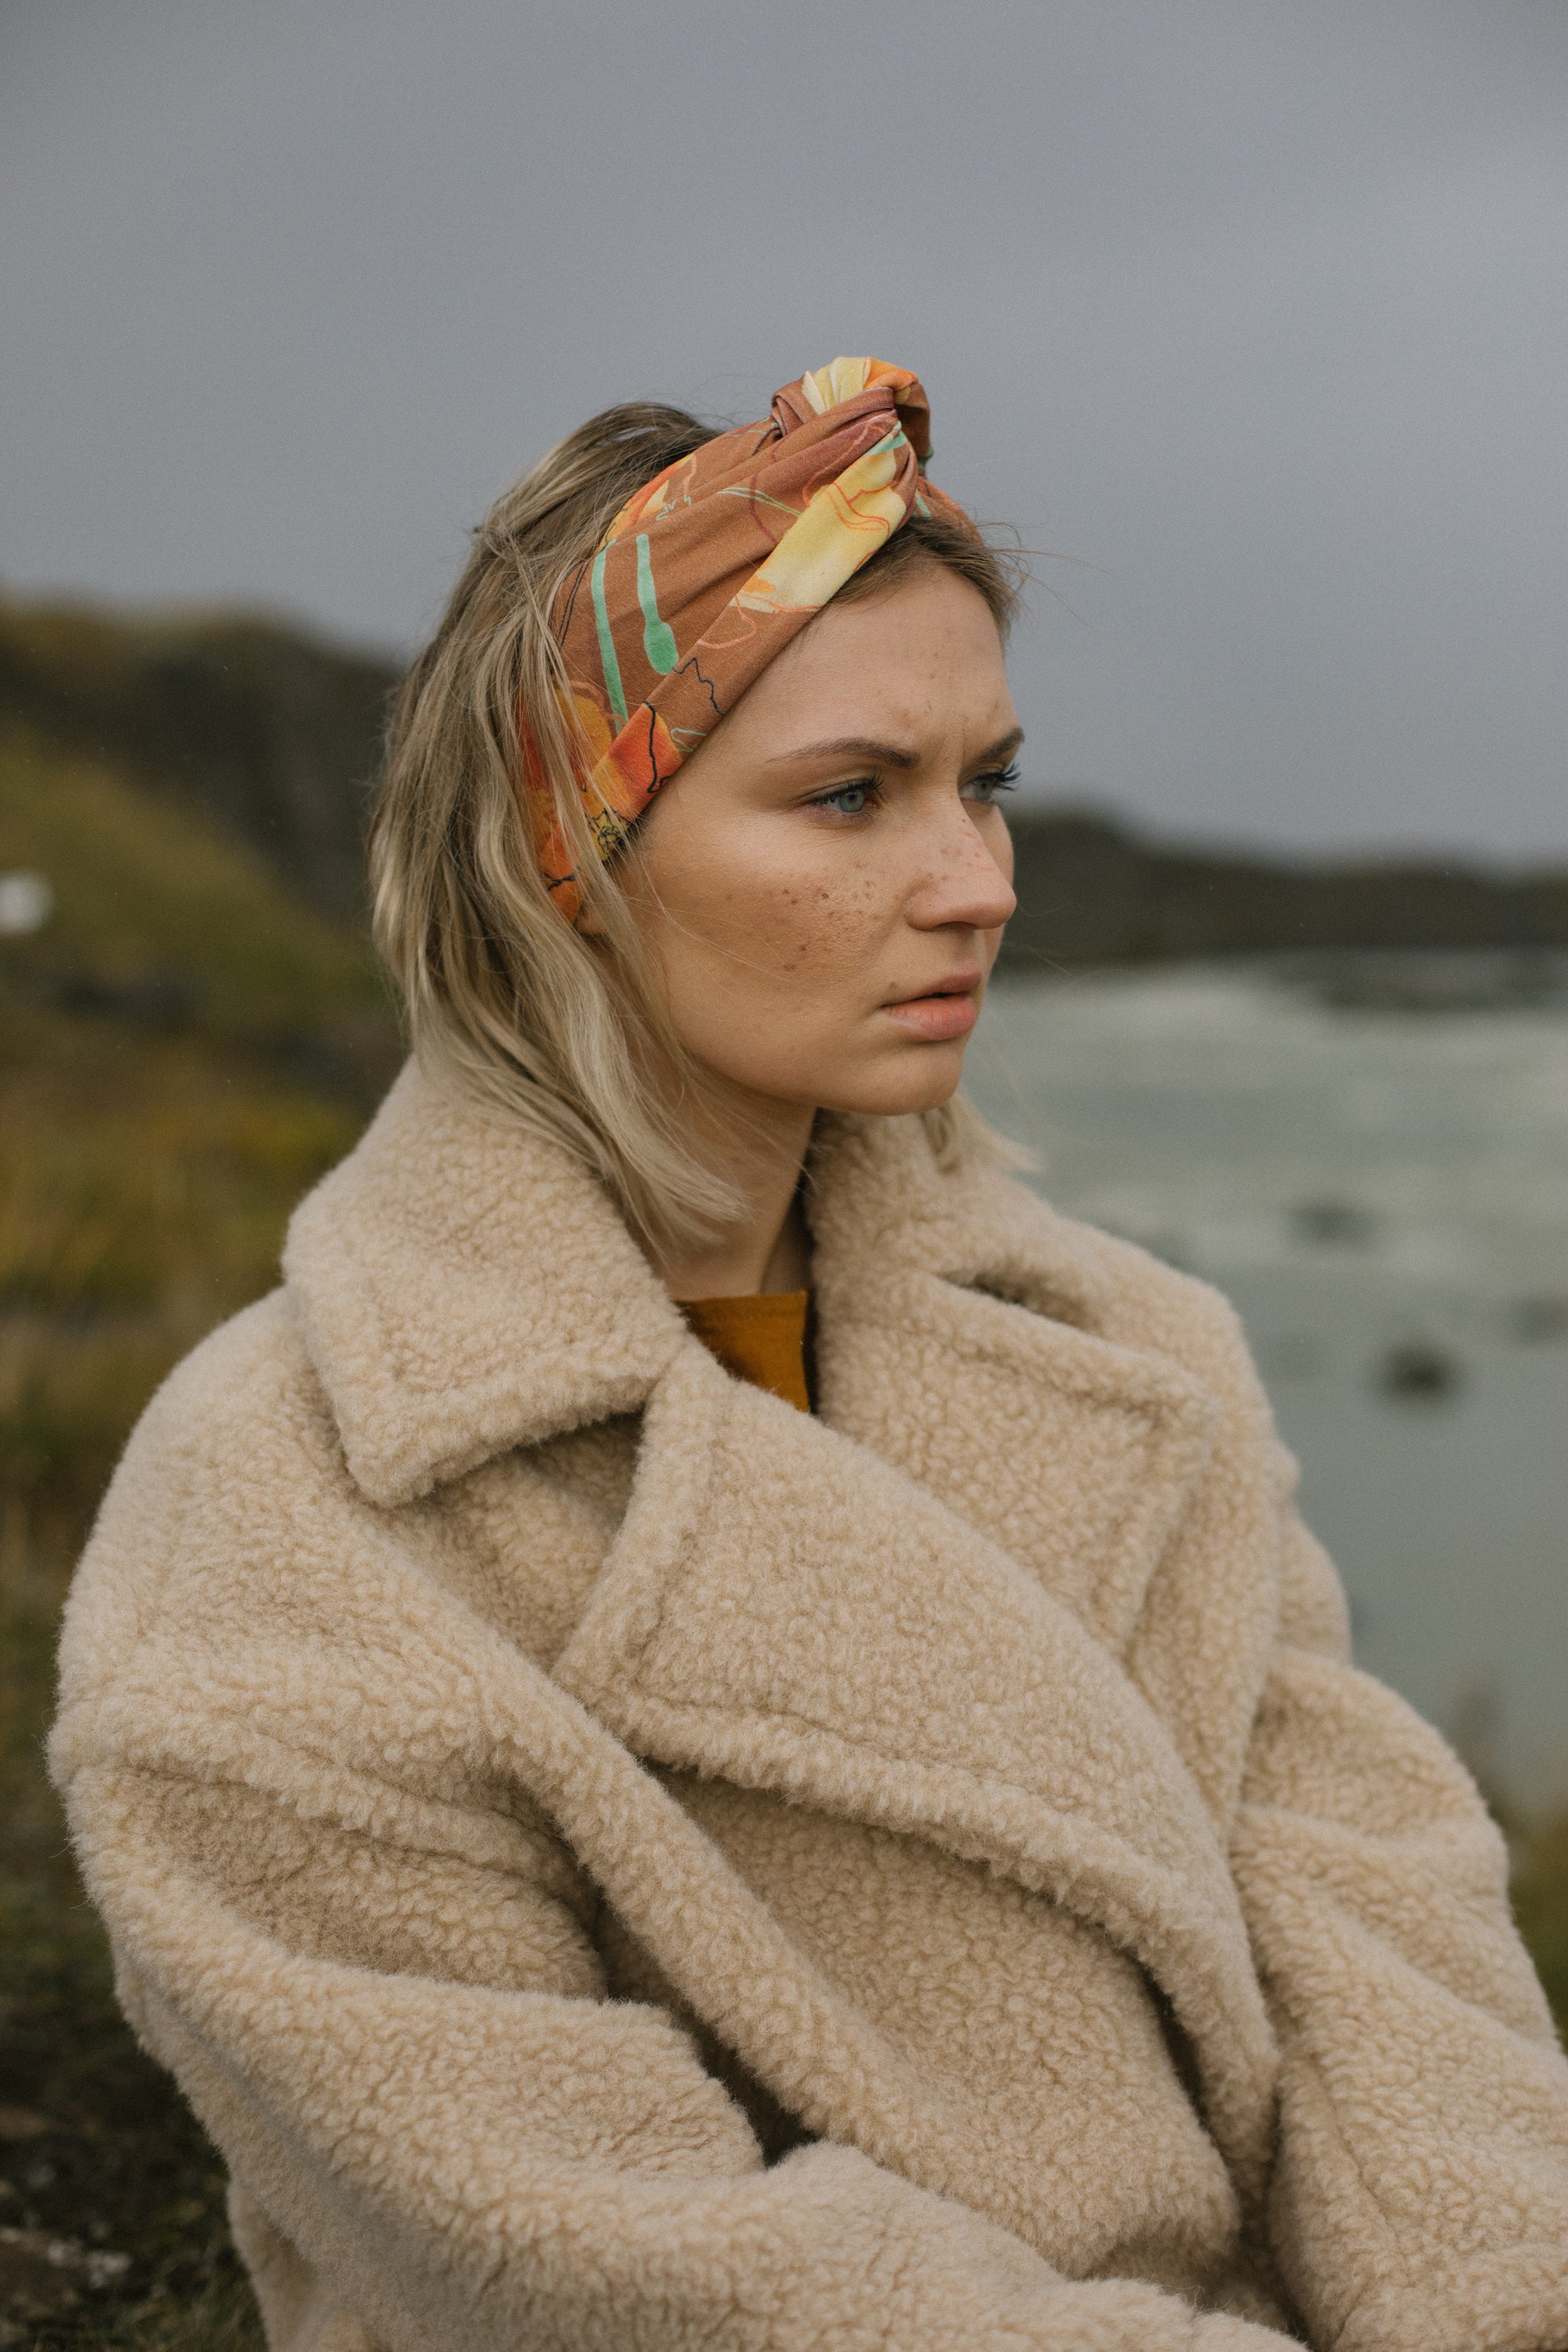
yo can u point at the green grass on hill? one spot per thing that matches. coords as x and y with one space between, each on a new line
160 914
183 1050
270 729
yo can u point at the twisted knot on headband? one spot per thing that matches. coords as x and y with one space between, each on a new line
708 572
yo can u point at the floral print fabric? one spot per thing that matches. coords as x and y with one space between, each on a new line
710 571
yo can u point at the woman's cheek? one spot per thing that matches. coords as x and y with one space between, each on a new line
807 930
835 924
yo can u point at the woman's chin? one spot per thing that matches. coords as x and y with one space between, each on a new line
917 1081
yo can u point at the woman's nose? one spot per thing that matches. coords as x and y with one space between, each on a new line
965 882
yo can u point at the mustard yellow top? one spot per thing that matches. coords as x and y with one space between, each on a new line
761 1339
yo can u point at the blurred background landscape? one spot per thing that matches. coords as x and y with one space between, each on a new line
1250 316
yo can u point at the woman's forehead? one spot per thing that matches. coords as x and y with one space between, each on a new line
927 644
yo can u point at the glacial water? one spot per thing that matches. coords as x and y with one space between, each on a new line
1383 1193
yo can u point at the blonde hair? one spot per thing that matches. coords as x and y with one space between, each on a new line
565 1032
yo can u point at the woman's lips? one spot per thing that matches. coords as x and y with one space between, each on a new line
949 1013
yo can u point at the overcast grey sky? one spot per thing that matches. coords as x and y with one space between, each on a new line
1254 312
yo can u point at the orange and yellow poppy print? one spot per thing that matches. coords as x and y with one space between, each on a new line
706 575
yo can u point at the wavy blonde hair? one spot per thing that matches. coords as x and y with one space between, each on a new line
565 1032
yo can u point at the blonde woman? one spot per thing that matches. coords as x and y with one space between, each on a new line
714 1728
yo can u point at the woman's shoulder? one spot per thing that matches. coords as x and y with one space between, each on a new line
244 1401
234 1446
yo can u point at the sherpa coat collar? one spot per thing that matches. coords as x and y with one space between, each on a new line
460 1300
497 1231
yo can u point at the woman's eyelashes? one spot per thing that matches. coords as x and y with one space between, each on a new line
858 798
990 786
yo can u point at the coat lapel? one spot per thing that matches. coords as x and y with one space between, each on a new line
957 1346
463 1288
785 1610
1076 1457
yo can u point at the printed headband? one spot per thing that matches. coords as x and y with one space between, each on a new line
708 573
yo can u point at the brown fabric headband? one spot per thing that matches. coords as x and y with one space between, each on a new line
708 573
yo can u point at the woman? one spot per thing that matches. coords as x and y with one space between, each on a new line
637 1822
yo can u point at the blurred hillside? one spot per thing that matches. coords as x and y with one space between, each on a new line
192 1030
265 731
186 1041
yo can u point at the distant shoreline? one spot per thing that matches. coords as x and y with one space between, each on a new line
1093 891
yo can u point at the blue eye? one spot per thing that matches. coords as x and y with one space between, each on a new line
850 799
986 789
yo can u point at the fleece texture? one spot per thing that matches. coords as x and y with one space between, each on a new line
620 1865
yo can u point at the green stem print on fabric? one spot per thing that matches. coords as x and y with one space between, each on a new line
607 639
657 639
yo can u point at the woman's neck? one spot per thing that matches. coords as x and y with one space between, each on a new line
766 1246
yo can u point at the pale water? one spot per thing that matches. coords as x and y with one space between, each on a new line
1384 1196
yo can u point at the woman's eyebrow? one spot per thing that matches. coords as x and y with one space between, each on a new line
850 747
886 755
1003 747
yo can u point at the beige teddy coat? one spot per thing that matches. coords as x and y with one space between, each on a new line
620 1865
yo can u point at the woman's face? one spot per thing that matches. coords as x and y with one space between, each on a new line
825 881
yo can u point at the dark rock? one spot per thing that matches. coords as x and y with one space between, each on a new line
1419 1372
1337 1223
